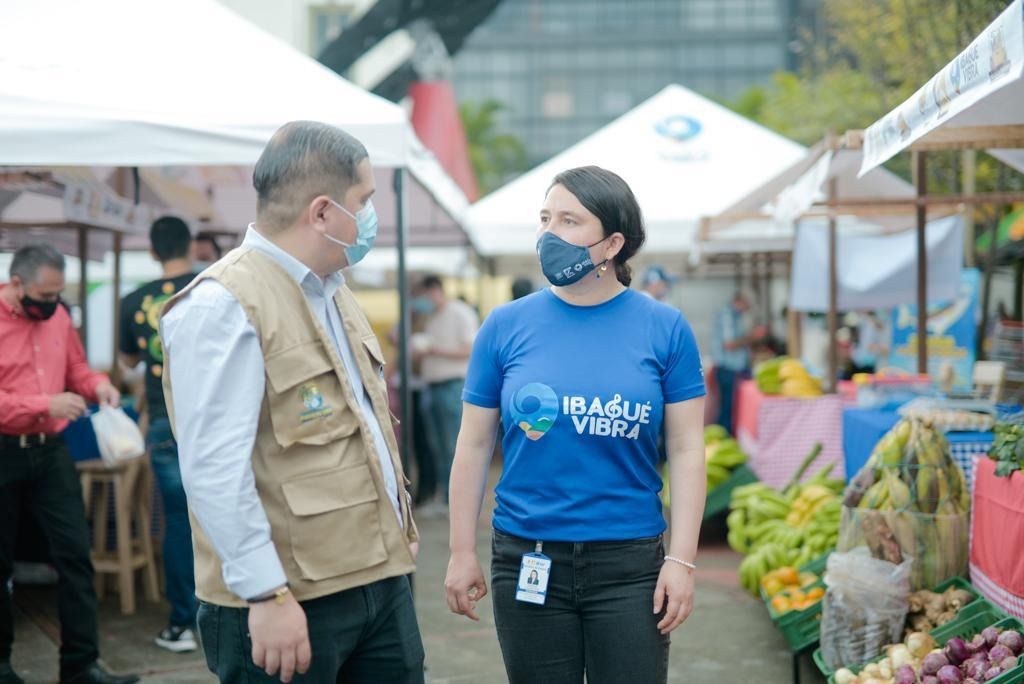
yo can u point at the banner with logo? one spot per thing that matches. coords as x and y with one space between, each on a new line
94 206
952 334
992 61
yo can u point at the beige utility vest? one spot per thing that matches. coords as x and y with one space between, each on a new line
317 472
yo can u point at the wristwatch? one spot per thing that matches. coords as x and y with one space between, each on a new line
277 596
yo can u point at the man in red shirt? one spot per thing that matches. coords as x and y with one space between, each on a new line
45 382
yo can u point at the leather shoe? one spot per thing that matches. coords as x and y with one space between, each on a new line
97 674
8 675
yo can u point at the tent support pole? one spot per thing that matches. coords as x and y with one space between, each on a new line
115 367
83 283
969 163
404 320
986 291
921 181
833 298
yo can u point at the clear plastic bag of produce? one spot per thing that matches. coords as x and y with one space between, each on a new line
117 435
910 498
939 544
865 606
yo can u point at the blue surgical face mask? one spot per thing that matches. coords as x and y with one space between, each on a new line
366 233
422 305
564 263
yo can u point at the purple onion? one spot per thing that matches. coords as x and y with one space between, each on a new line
1012 639
905 675
933 662
992 673
999 653
929 679
1008 663
976 644
975 669
949 674
971 680
956 651
991 636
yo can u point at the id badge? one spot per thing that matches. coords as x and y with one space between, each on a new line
534 571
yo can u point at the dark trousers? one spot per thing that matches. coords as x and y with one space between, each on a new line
597 618
366 635
179 571
727 380
426 468
44 481
444 410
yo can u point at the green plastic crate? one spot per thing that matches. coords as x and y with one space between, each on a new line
801 629
718 498
966 628
776 617
817 566
977 605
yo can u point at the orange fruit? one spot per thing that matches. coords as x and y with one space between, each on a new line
773 586
789 576
815 594
781 604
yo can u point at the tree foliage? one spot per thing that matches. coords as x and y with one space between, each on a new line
495 156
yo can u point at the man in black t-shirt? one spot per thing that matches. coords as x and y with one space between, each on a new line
170 243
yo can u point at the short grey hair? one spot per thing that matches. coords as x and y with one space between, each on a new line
30 258
304 159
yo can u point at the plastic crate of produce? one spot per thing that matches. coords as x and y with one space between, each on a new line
966 628
719 497
977 605
801 628
812 567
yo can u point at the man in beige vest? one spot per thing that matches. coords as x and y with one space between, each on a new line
275 384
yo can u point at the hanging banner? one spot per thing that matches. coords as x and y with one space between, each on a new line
994 60
94 206
952 334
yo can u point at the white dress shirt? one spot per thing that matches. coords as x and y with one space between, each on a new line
218 377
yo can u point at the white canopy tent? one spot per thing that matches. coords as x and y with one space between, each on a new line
683 155
978 98
139 83
121 83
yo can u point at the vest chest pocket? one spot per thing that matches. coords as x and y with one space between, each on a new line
377 363
307 404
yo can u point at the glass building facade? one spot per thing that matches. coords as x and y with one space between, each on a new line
564 68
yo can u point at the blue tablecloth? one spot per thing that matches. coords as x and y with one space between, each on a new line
863 428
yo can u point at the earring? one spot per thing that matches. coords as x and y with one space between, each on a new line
603 269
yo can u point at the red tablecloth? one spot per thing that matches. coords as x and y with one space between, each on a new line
997 537
778 432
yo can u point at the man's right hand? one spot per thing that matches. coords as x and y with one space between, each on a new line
280 638
67 406
464 585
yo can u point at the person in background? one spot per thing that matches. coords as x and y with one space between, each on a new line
872 345
731 354
521 287
45 382
657 284
450 328
205 250
170 244
274 382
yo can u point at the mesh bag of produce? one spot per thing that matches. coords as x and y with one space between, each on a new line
910 499
865 606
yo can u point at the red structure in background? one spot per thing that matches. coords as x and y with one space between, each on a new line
436 120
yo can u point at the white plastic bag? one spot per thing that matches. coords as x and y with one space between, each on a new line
865 606
118 436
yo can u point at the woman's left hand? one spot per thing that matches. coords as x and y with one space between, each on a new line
675 586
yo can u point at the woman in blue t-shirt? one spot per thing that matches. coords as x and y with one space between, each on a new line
581 378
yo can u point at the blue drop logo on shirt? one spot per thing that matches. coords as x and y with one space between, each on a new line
534 409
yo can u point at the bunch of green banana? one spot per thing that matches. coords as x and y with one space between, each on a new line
720 458
766 375
759 563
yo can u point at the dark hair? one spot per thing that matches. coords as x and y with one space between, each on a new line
170 238
608 197
430 282
521 287
30 258
304 159
212 239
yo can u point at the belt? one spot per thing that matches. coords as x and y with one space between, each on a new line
31 441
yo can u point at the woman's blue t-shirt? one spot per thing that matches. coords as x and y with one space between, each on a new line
582 392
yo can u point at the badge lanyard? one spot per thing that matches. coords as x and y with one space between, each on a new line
534 571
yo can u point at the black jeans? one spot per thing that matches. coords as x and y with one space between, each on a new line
44 481
598 615
365 635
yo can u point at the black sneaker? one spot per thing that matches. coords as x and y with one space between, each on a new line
177 639
8 675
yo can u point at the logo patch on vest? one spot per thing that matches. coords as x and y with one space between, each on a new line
313 403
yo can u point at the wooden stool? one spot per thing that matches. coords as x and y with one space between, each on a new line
131 485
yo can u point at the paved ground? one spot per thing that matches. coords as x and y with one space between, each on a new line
727 640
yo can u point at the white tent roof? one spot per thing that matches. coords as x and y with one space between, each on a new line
683 155
188 83
983 86
789 196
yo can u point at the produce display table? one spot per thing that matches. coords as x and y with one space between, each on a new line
997 537
863 428
778 432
